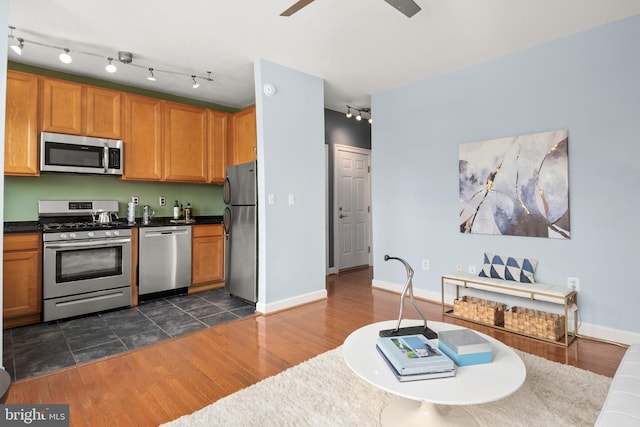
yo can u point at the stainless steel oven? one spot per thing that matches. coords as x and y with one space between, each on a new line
86 267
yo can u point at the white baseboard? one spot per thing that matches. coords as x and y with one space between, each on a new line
584 329
290 302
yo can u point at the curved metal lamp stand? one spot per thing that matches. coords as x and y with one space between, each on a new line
410 330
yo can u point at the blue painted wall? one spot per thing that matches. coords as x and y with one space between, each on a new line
588 83
290 131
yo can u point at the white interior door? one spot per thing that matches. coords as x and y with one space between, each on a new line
353 223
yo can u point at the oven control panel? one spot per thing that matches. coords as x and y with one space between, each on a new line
76 206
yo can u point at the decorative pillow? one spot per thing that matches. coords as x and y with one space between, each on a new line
509 268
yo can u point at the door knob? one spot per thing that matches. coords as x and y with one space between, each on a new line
343 216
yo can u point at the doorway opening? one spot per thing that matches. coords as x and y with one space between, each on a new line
351 207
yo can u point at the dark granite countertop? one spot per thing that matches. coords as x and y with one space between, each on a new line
166 221
15 227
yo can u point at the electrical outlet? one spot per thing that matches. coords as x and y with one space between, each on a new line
459 268
162 201
573 283
472 269
135 200
425 264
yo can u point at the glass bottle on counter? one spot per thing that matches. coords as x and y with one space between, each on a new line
181 212
176 211
188 212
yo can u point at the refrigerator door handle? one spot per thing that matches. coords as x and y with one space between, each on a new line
226 221
226 191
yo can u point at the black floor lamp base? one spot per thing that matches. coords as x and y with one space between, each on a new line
409 330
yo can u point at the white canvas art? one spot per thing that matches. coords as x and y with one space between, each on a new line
516 186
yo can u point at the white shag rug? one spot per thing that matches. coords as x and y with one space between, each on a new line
323 391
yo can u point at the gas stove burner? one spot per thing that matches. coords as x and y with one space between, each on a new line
72 226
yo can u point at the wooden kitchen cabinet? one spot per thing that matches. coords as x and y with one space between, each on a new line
143 145
217 146
242 138
77 109
21 125
104 113
22 279
207 257
186 151
61 106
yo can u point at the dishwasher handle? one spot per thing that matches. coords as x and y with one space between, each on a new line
160 233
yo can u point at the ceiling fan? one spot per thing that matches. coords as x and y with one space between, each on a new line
406 7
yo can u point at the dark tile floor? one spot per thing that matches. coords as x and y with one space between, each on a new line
35 349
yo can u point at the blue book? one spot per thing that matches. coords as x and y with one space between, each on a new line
414 354
465 347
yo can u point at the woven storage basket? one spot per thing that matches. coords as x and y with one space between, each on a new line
479 310
535 322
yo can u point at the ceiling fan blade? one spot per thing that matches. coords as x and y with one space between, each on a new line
407 7
296 7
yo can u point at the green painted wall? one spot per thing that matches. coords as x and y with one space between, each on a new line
21 194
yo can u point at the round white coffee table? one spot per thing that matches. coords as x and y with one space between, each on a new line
434 402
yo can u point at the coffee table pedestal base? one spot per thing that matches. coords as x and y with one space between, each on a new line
410 413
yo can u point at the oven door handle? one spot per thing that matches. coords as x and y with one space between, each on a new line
93 244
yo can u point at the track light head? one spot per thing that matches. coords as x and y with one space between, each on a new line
194 84
151 77
359 116
110 68
65 58
17 48
349 115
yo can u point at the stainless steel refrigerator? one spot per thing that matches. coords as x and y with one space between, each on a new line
241 231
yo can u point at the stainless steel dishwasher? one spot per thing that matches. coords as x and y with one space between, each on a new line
164 263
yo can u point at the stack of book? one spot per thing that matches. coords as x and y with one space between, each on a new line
465 347
414 357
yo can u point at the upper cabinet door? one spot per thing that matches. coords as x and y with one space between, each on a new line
217 146
185 143
104 113
21 127
242 137
61 107
143 147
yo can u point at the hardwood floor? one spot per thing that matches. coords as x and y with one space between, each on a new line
159 383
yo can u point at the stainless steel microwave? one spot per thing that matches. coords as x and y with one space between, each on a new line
80 154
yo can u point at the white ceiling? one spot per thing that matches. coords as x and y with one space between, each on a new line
359 47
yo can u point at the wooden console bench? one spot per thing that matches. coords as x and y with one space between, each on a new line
564 297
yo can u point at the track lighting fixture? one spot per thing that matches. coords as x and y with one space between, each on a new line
110 68
17 45
65 58
17 48
360 113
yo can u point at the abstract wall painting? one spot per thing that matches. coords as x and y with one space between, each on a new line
516 186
